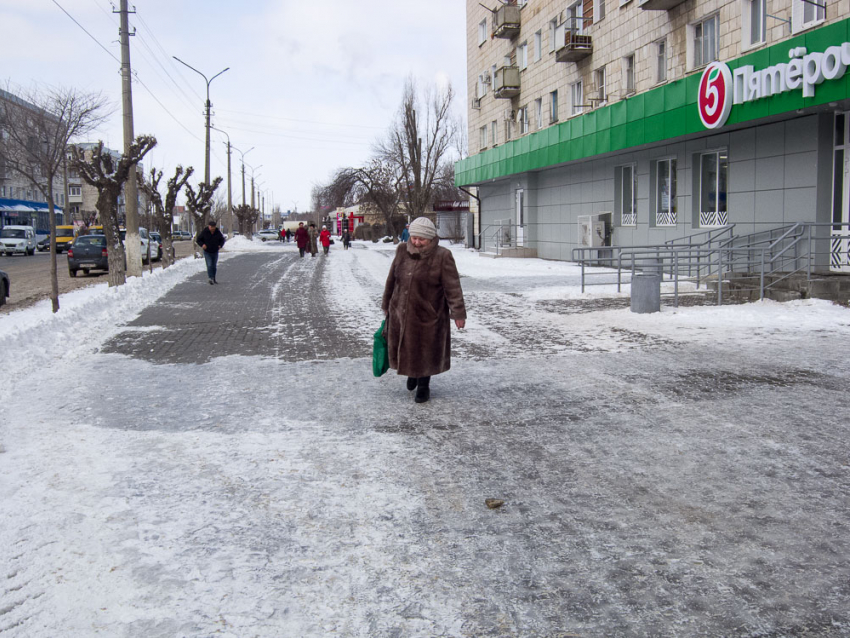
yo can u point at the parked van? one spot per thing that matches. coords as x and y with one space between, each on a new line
17 239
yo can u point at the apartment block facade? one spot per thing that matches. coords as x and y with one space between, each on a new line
657 119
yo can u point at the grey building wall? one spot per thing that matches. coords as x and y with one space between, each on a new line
779 174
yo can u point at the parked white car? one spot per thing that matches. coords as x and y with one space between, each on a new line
268 235
18 239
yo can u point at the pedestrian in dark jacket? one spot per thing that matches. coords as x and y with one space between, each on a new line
314 237
346 240
301 238
422 295
211 240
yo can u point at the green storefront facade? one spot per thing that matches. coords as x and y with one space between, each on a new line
773 161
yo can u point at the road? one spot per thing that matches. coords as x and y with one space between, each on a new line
30 276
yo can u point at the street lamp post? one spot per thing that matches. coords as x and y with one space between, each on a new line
208 105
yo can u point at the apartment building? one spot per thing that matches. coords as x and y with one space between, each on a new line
657 119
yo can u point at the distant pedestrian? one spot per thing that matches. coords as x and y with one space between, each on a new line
211 240
325 239
288 235
405 234
282 235
302 238
422 295
346 240
314 239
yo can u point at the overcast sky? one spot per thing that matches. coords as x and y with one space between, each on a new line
311 84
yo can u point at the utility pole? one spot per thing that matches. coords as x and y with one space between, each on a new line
229 190
132 244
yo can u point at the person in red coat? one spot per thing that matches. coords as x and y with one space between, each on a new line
325 239
302 238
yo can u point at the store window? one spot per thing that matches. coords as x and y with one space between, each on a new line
627 194
714 172
666 204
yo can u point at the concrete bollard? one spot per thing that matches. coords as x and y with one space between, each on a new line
646 293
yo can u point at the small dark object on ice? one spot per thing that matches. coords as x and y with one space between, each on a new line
493 503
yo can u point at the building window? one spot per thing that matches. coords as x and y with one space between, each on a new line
806 14
75 191
494 127
575 21
660 61
522 118
666 208
628 195
481 87
705 41
507 130
553 27
553 106
538 46
752 23
601 89
713 175
538 112
577 96
482 32
629 73
522 56
598 10
482 139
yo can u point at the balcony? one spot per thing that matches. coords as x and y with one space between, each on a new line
571 46
659 5
506 21
506 84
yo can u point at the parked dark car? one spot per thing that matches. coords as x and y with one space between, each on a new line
87 253
4 287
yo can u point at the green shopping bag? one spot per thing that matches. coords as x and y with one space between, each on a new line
380 356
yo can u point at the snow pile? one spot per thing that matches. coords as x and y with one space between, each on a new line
241 244
34 337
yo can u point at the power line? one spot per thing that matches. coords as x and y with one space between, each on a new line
170 61
109 53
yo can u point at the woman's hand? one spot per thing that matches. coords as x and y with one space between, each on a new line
460 323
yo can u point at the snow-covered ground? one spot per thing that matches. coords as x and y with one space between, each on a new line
674 474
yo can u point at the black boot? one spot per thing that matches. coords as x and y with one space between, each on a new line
411 383
423 392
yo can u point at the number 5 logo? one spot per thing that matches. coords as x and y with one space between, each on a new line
715 95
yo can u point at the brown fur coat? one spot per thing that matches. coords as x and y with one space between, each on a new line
421 297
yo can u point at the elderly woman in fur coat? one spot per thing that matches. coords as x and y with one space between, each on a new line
421 297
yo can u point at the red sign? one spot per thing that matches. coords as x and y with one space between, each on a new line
715 95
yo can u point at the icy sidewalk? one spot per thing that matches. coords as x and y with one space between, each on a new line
677 474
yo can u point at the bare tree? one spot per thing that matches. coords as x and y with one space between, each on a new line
199 203
108 177
247 217
37 131
163 210
419 143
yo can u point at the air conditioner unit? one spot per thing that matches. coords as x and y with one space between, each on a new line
476 103
485 78
591 231
508 115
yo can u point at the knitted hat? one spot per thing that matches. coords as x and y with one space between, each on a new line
423 227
